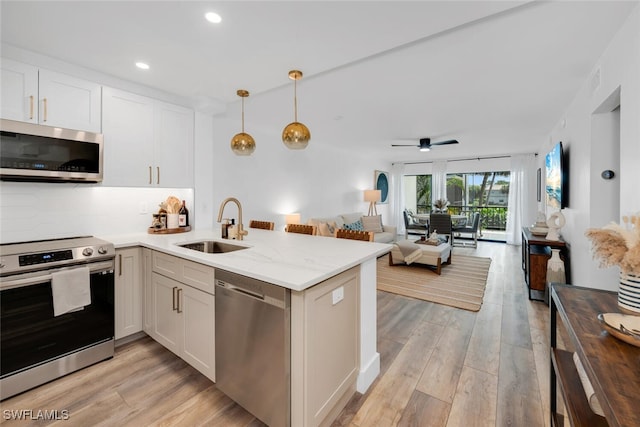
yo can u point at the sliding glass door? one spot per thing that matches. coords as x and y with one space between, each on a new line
484 192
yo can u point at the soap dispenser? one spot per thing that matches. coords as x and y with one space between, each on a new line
225 228
232 230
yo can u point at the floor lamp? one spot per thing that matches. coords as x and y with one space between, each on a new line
372 196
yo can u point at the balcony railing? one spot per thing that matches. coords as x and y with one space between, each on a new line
491 217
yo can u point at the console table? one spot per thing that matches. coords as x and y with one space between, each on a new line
536 251
611 365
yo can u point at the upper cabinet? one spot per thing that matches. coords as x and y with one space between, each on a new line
34 95
147 143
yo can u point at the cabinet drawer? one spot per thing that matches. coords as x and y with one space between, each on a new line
191 273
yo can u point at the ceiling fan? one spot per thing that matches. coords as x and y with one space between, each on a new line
426 144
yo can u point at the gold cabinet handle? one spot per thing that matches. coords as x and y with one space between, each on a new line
31 107
174 298
180 300
150 178
44 102
120 264
158 175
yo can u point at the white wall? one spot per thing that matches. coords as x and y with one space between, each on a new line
618 69
275 180
37 211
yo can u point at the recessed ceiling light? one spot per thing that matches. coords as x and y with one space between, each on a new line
142 65
213 17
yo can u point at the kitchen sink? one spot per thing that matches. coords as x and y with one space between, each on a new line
212 247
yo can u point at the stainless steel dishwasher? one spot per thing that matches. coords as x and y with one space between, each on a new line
253 346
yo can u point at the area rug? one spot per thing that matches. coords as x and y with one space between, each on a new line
461 284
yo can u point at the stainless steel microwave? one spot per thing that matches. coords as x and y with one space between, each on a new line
30 152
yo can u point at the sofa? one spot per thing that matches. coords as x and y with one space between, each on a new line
381 233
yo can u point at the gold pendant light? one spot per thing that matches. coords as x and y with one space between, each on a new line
295 135
242 143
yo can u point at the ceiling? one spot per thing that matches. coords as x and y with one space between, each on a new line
495 75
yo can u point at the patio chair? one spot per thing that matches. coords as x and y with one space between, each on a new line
473 229
441 224
412 227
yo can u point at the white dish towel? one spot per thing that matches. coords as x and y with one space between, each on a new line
71 290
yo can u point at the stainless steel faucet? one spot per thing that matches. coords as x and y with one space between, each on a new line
241 231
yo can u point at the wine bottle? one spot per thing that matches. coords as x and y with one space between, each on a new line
183 216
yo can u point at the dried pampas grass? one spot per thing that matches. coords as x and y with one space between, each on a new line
618 245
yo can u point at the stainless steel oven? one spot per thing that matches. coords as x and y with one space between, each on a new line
37 342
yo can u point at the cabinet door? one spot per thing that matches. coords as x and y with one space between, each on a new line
173 149
128 139
69 102
148 317
19 98
128 292
167 329
198 329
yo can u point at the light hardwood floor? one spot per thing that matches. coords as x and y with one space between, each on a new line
440 366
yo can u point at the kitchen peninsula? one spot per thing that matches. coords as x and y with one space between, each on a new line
332 282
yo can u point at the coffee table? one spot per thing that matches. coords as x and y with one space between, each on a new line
433 256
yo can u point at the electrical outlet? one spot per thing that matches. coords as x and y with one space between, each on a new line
337 295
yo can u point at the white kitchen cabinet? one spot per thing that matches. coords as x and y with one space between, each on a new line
19 91
166 327
34 95
183 317
148 317
324 348
128 292
148 143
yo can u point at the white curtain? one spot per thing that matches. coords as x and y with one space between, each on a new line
397 201
522 196
439 180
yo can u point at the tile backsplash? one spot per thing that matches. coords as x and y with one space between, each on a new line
35 211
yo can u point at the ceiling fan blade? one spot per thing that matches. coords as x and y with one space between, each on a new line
404 145
450 141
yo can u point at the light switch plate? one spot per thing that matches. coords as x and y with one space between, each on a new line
337 295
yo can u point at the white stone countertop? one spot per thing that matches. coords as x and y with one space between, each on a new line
294 261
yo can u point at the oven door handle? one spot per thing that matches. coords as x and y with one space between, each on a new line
94 268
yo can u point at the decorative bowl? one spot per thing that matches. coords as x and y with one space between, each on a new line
622 326
539 231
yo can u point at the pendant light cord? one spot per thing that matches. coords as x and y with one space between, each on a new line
295 100
243 115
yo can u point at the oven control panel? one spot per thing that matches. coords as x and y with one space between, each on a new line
47 254
44 257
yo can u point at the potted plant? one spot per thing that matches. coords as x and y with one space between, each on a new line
619 245
440 205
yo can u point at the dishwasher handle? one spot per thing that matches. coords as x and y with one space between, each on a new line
240 289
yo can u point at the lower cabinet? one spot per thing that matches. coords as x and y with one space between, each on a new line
325 353
128 292
182 316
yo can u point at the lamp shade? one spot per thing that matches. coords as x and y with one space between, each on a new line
293 218
372 195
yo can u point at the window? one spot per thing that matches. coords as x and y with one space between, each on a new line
484 192
417 191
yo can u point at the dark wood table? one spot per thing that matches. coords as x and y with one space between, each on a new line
612 366
536 251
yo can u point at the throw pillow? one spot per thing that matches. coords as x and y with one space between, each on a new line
354 226
327 229
372 223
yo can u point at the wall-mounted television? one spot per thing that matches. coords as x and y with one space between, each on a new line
556 178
